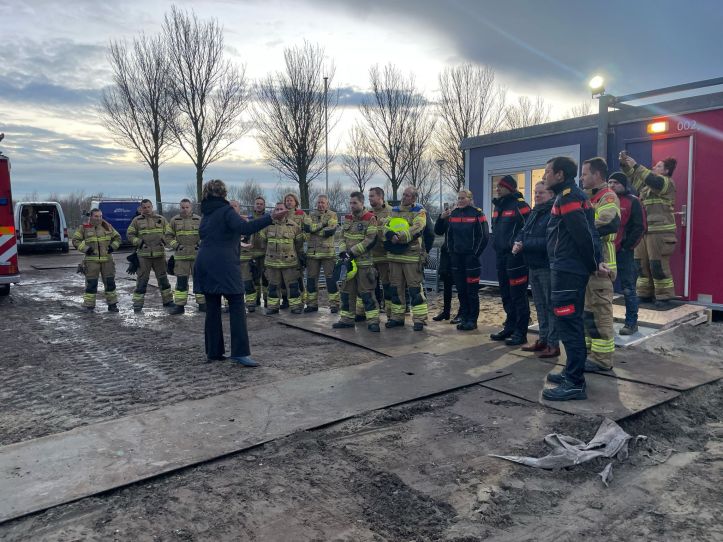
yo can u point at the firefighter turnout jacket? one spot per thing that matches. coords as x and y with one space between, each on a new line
379 253
606 206
257 242
657 194
409 249
94 241
147 234
359 236
284 243
182 236
320 227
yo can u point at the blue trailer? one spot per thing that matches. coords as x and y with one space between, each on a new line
119 212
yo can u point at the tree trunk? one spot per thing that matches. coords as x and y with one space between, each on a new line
157 186
199 183
304 193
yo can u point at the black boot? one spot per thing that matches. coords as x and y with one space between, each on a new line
177 309
284 303
516 339
456 320
501 335
444 315
113 307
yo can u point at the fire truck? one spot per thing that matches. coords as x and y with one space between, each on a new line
9 272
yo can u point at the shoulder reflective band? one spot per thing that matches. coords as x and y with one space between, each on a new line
570 207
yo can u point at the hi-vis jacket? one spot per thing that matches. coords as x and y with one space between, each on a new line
321 228
99 238
410 246
657 194
606 205
147 234
359 236
379 253
284 243
258 243
182 236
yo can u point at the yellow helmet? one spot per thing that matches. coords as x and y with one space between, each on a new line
351 271
397 225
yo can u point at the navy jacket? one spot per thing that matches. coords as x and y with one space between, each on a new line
218 266
467 231
573 244
507 220
534 236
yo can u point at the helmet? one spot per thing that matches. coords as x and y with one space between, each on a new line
397 225
351 270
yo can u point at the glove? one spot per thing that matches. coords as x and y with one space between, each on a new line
345 256
306 228
143 244
90 251
329 232
179 248
110 249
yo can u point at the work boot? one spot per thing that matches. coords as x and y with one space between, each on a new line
566 391
334 310
373 327
555 378
251 308
418 326
394 323
201 307
456 320
177 309
246 361
284 303
342 325
360 318
296 311
592 367
537 346
113 307
663 304
269 312
628 329
549 352
516 339
467 326
311 309
137 309
501 335
169 304
441 316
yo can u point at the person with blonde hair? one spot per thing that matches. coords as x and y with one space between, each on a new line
217 271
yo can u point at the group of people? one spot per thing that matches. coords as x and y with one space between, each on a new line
569 248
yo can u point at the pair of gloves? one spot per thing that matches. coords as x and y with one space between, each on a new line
90 250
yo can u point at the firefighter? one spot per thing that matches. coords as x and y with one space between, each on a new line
383 291
403 242
297 215
97 240
253 252
508 218
284 243
147 233
182 236
359 235
652 255
467 237
573 248
598 315
320 227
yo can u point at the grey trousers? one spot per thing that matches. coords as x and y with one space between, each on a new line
541 293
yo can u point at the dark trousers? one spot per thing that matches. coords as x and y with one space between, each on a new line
466 270
513 279
628 273
568 305
214 327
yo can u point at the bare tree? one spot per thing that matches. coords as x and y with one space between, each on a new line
137 107
389 115
339 196
580 110
356 161
421 167
471 103
527 113
191 192
290 116
209 91
421 175
246 193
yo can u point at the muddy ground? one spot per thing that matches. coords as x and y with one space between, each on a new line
420 471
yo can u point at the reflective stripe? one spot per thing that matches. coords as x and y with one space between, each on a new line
518 281
564 311
280 241
602 345
664 227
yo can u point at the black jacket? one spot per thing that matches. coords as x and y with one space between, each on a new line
218 267
632 222
507 220
441 227
467 231
533 236
573 244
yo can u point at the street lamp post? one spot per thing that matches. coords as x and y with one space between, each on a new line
326 133
440 163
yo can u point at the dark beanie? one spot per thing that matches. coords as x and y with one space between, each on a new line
620 177
508 182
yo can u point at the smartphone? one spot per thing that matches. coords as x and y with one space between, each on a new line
446 206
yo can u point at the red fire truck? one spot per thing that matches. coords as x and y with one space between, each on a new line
9 272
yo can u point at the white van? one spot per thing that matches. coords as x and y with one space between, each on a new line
40 225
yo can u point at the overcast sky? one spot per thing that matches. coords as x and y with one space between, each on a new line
53 66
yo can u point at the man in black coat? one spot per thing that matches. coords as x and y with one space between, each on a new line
508 218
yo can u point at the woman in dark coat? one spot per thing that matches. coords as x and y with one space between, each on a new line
217 271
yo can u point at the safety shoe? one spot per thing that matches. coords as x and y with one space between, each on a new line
456 320
296 311
373 327
566 391
360 318
342 325
246 361
113 307
201 307
549 352
516 339
441 316
418 326
555 378
169 304
251 308
467 326
177 309
501 335
269 312
628 330
592 367
537 346
311 309
663 304
137 309
334 310
394 323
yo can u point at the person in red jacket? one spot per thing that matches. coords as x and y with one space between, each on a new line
631 231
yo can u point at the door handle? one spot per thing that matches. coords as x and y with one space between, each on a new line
683 215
